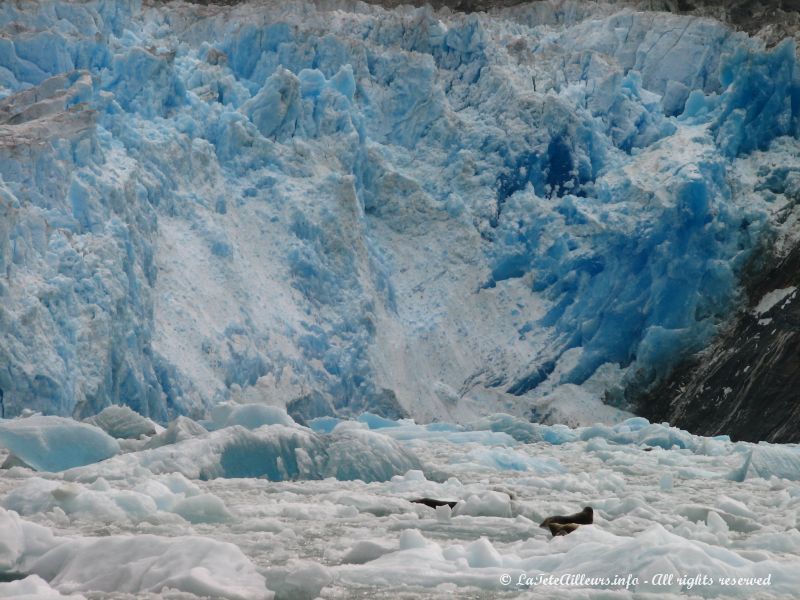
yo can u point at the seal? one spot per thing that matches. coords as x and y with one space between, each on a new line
434 503
557 529
585 517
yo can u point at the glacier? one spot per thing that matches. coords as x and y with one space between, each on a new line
336 208
270 272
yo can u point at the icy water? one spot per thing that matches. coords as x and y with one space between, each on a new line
658 513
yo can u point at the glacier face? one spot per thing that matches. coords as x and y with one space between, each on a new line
337 207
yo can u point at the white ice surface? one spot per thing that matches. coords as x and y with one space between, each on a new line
665 503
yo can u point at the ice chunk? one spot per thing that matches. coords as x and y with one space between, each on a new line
40 495
272 451
735 507
251 416
276 452
716 523
767 460
102 502
444 513
302 581
56 443
674 99
121 422
696 512
376 421
33 587
523 431
366 455
485 504
204 508
324 424
411 539
12 461
182 428
364 551
480 554
149 564
21 541
756 106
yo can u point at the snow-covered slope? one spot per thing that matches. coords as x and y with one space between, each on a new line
338 207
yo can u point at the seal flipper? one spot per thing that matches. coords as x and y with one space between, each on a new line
558 529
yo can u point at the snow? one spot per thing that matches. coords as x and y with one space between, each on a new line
770 300
337 208
55 443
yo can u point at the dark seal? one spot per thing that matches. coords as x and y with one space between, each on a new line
434 503
585 517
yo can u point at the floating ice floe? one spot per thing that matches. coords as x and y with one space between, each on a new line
277 452
182 428
56 443
150 499
127 564
34 587
769 460
663 508
602 559
122 422
150 564
251 416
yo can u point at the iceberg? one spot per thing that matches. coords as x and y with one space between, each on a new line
149 564
182 428
56 443
366 455
251 416
278 452
768 460
132 500
122 422
125 564
33 587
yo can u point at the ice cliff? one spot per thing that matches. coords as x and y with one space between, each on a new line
338 208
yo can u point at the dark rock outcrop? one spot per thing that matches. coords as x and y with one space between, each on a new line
747 384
